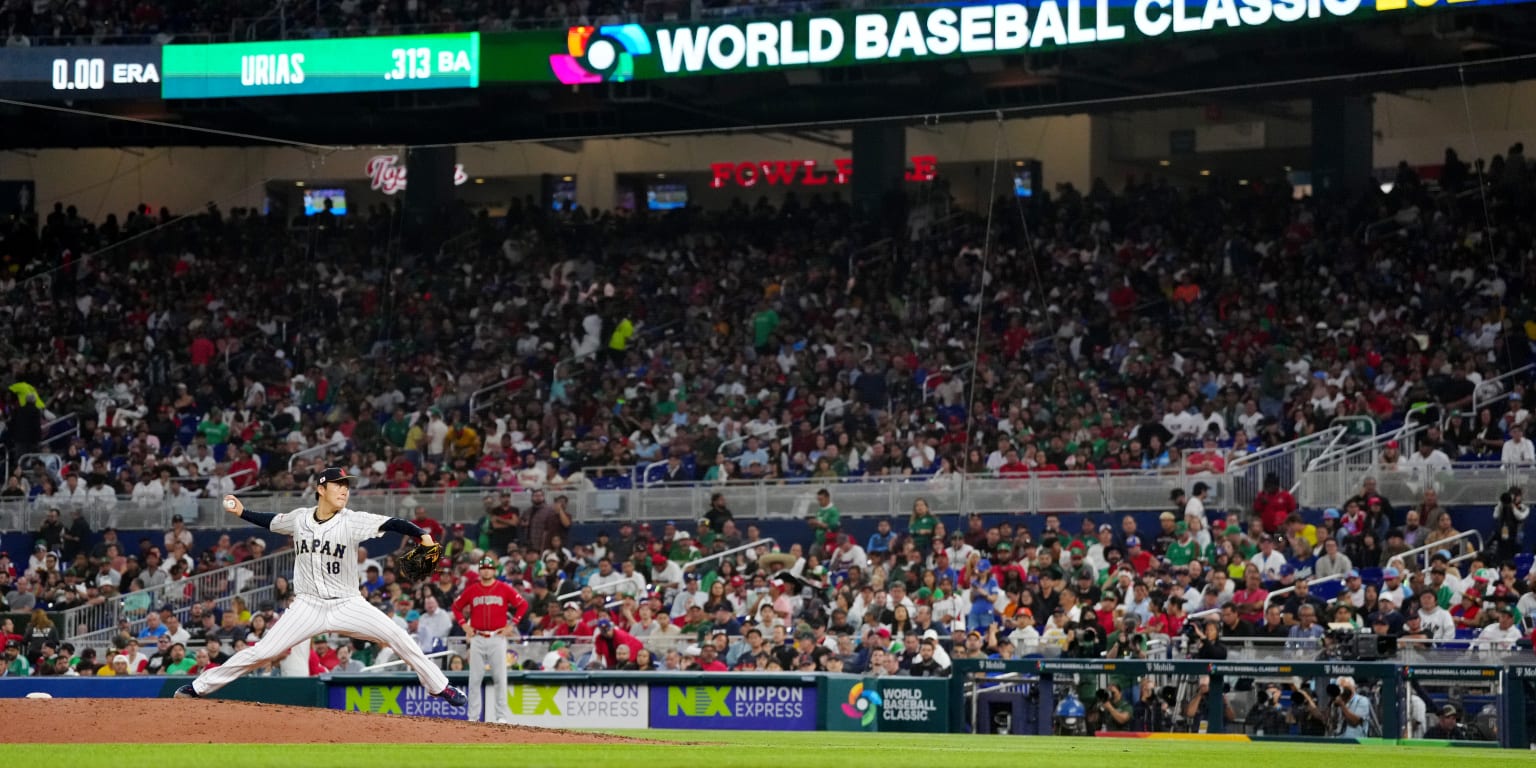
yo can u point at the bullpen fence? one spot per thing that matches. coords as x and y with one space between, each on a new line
1024 697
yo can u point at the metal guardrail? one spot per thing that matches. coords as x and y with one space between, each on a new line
1424 553
1465 484
315 450
105 619
688 565
1286 461
1337 474
777 500
1503 394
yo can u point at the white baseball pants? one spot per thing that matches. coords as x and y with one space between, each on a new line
310 616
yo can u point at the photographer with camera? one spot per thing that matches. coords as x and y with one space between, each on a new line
1309 718
1195 706
1125 642
1153 712
1086 639
1351 713
1113 710
1509 517
1204 640
1268 716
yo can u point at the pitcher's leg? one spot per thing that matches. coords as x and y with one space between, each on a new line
297 624
358 618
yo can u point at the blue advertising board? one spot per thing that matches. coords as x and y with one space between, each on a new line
755 707
403 699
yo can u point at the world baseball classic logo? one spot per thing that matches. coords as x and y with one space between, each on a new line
598 54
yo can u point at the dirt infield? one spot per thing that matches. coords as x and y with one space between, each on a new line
181 721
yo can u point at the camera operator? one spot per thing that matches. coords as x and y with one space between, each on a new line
1125 642
1310 719
1352 715
1268 716
1114 711
1087 642
1205 640
1509 523
1195 707
1154 711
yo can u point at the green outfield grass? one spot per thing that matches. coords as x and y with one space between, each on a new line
755 750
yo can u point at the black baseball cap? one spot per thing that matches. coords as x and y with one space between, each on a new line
334 475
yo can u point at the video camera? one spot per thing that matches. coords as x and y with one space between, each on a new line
1343 642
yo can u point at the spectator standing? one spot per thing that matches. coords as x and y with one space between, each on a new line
921 527
74 537
1273 505
717 515
827 519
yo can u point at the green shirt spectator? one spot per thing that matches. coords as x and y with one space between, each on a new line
828 519
396 429
1183 549
214 430
922 526
764 323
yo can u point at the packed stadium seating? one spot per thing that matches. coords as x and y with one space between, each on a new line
1150 330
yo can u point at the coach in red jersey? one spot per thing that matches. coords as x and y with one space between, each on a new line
484 610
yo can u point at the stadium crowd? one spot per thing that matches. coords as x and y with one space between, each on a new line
1178 330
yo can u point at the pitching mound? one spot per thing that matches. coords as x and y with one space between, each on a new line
183 721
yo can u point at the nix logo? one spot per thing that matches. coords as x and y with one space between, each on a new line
862 705
374 699
533 700
700 701
600 53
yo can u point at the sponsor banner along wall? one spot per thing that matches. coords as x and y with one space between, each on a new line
740 707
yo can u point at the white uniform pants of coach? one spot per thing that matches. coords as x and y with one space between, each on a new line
309 616
490 650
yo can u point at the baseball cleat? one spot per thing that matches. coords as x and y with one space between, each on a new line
453 696
187 692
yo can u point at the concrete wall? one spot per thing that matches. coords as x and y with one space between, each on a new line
1417 126
101 181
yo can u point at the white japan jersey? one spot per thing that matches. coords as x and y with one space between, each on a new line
325 554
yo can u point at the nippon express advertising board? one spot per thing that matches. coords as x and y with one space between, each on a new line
622 52
601 704
747 707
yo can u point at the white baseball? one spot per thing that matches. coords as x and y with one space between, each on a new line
229 503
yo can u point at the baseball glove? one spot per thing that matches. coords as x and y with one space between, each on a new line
420 562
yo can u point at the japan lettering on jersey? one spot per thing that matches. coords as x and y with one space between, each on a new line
325 554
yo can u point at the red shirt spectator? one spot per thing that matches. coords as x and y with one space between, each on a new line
247 465
607 640
202 351
1273 505
432 526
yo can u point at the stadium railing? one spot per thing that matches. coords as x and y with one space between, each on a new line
252 579
1335 475
1286 461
